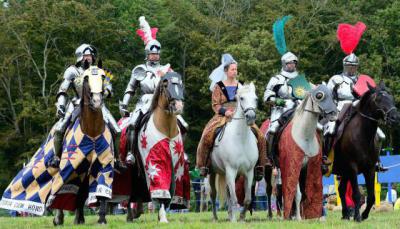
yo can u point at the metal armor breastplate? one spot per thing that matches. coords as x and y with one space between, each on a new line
285 91
78 83
344 90
149 84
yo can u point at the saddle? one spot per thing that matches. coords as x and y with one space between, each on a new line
347 113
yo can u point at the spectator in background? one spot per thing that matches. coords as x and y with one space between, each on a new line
196 184
261 195
393 192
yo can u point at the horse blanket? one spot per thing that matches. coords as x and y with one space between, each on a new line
28 191
291 159
85 163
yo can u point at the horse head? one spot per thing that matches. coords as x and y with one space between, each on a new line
379 105
93 87
170 94
322 102
247 102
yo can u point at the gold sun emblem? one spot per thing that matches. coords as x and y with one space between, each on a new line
300 91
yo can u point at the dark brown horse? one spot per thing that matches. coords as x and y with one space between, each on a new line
357 150
92 125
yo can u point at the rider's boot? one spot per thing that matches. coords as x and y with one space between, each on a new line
270 149
203 152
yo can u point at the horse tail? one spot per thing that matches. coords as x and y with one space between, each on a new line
220 184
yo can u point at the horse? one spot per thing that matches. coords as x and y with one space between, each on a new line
236 153
93 166
159 149
357 150
300 154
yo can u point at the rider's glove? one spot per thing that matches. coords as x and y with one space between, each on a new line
280 102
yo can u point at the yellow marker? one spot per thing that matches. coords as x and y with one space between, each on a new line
338 203
377 191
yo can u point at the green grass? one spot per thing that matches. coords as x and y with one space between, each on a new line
204 220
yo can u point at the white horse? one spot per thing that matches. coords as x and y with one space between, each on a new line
236 153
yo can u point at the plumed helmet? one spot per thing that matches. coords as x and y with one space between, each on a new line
85 49
287 58
351 59
148 35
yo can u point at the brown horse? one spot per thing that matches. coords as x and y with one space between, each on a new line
92 125
357 150
158 170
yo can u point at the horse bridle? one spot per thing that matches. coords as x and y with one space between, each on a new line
312 105
168 97
244 111
385 113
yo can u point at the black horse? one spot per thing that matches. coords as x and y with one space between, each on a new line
357 150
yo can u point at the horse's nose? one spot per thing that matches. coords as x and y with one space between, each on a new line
96 100
394 116
250 117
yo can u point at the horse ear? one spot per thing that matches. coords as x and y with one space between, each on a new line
382 85
100 64
86 65
371 88
252 86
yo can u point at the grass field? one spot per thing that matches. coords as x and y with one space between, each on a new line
203 220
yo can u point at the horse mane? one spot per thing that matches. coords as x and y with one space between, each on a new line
302 106
156 96
85 92
244 89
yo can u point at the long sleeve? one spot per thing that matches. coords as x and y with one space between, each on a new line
217 99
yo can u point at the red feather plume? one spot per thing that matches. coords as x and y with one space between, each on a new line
349 36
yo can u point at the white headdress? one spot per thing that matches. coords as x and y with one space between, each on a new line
218 74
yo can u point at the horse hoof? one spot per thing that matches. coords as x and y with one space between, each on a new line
345 218
102 221
357 219
364 216
56 223
77 222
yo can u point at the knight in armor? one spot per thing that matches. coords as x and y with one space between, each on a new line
73 81
343 87
224 86
280 93
145 77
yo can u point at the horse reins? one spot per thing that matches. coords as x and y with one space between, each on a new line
385 113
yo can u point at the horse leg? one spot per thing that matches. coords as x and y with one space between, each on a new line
137 210
298 202
279 198
58 218
129 213
268 177
80 202
248 181
230 176
102 210
369 181
356 197
342 194
162 214
213 195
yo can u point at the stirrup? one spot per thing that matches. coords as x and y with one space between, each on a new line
379 168
326 161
